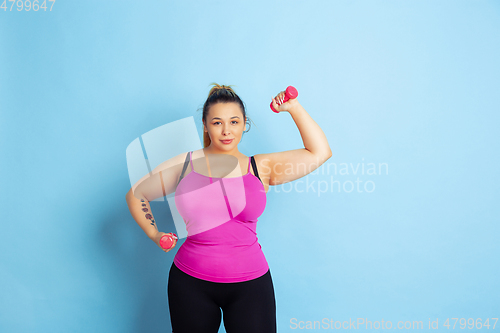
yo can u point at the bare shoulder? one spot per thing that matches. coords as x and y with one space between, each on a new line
173 163
161 181
286 166
263 165
268 161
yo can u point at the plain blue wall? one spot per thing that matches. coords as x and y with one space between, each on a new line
412 84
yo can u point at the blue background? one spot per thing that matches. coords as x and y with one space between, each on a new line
413 84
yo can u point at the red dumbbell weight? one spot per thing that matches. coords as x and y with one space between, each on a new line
166 241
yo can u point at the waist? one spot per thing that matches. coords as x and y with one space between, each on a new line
221 262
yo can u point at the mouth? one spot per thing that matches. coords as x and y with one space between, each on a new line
226 141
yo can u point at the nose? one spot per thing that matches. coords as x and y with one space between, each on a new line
225 131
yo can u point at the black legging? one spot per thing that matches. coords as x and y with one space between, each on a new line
195 304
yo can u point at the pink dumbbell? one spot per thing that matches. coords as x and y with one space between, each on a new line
290 92
166 241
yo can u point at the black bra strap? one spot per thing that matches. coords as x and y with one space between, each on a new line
254 167
184 168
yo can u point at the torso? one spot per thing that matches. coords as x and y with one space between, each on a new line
221 217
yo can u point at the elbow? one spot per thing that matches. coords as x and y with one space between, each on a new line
129 195
327 157
328 151
327 154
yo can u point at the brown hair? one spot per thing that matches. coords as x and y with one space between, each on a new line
221 94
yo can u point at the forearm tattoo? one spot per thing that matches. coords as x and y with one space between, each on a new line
148 215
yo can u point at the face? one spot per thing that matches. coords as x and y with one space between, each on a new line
225 122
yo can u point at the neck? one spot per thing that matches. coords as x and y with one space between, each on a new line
214 150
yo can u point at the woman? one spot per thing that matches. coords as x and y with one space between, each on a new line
220 193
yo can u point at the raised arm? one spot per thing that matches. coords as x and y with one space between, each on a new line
286 166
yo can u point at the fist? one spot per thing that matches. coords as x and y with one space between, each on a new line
166 241
278 104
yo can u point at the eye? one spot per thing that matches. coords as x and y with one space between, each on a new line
234 121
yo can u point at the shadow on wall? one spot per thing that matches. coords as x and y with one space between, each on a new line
135 261
140 266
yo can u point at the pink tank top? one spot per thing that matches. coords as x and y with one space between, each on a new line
221 221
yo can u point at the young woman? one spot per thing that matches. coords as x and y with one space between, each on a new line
220 193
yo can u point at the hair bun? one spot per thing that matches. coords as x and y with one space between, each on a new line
217 87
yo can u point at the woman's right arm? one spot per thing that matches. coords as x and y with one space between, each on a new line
161 182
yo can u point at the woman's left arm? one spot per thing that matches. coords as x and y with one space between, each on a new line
286 166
